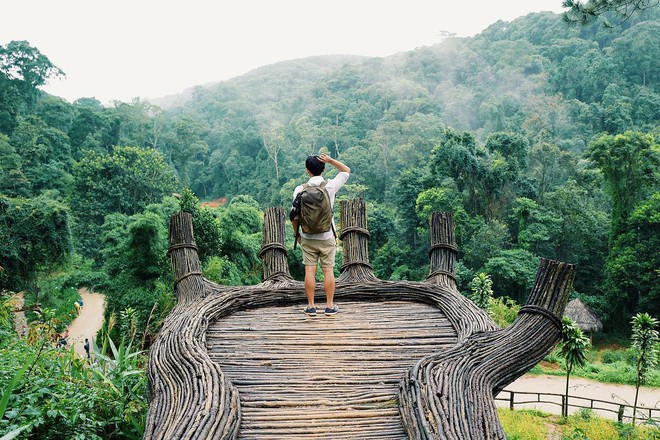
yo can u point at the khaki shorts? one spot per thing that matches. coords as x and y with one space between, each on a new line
315 250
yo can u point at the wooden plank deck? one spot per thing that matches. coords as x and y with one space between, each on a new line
325 377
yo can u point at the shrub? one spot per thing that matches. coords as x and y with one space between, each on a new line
612 356
503 310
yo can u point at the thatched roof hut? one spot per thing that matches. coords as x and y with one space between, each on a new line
583 317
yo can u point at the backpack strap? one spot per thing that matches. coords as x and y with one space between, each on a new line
332 223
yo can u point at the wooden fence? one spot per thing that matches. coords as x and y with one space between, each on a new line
623 412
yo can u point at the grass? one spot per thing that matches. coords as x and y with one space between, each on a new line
614 364
537 425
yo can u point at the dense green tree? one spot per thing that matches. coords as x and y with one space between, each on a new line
140 123
631 283
45 155
125 180
208 235
580 233
13 182
637 53
28 67
34 236
55 112
513 272
630 164
93 128
535 227
548 166
185 146
458 157
407 186
241 227
482 240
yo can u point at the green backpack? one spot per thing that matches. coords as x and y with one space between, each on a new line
315 209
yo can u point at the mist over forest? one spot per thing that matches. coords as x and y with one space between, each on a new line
540 136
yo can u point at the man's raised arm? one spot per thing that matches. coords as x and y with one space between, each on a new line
341 167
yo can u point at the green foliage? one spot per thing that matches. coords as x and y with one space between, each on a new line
125 381
222 271
124 181
205 224
534 425
25 68
587 12
645 341
574 345
482 290
512 272
503 310
630 164
34 235
631 283
53 394
523 425
56 292
240 232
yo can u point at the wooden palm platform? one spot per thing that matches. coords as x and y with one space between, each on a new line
325 377
403 359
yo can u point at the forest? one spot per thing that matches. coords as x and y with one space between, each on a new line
541 137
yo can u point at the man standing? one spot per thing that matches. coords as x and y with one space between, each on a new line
320 246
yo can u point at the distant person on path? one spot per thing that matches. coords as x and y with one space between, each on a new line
63 339
86 346
79 306
312 212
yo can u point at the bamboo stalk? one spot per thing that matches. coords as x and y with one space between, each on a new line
355 241
273 249
443 251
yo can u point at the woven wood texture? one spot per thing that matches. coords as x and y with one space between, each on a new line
325 377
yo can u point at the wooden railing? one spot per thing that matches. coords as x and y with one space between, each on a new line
623 412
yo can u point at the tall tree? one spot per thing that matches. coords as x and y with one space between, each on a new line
125 180
631 283
23 63
645 342
34 235
574 345
630 164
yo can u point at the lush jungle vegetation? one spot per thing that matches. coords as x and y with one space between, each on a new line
541 137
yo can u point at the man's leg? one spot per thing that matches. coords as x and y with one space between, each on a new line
310 284
329 284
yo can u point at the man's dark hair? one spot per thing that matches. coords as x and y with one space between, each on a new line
314 165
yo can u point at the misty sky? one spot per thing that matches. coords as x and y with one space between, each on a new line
122 49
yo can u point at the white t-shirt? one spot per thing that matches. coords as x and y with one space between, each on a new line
331 187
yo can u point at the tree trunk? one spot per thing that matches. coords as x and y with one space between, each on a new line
564 410
637 384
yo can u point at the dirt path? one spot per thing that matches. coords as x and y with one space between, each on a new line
89 322
624 394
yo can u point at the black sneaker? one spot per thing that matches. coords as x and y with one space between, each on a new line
331 311
309 311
